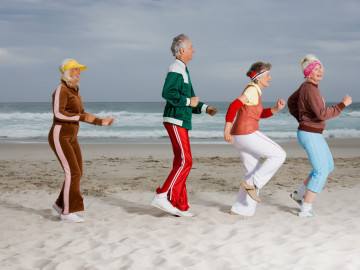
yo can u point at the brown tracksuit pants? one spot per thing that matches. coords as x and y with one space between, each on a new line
63 141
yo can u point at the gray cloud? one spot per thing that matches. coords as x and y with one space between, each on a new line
125 45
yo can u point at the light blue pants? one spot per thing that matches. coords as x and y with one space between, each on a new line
320 158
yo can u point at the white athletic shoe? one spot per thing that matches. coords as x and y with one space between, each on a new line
309 213
184 213
57 208
297 198
72 217
163 204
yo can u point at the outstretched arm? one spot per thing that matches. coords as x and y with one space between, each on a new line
271 111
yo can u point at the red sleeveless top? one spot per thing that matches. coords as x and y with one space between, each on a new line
247 119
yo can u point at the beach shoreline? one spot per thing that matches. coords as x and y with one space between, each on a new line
340 147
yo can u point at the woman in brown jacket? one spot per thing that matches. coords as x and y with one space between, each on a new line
308 107
68 111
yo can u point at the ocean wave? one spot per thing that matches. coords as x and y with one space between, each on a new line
350 113
25 116
144 122
342 133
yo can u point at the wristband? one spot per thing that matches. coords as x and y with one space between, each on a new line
266 113
232 110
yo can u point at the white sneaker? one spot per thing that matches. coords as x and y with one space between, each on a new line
57 208
297 198
184 213
163 204
309 213
72 217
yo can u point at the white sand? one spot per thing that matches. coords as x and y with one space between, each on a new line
122 231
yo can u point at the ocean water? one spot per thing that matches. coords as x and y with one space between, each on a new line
142 123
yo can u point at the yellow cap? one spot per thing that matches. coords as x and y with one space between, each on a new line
73 64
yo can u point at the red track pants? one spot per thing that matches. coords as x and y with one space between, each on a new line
174 185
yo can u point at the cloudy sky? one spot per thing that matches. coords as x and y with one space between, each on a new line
126 46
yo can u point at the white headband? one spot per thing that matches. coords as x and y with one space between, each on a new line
254 75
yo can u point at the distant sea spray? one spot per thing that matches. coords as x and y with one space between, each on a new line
142 123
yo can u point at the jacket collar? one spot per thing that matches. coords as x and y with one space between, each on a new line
181 63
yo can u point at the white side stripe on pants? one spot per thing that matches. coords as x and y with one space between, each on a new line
66 166
182 163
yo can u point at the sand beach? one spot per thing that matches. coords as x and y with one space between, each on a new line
122 231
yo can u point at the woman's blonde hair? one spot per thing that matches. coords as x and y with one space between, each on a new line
307 60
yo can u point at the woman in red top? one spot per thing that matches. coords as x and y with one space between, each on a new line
68 111
250 143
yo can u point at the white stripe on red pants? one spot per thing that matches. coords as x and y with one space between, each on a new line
175 185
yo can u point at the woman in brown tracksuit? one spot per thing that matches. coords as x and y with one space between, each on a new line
68 111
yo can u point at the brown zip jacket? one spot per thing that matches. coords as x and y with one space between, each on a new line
68 107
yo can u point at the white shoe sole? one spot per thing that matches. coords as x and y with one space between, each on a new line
174 212
76 220
310 213
184 213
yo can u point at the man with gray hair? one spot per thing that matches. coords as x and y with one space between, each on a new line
181 103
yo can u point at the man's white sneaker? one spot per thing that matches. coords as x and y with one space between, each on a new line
184 213
163 204
310 213
72 217
297 198
57 208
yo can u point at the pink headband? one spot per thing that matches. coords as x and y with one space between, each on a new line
311 67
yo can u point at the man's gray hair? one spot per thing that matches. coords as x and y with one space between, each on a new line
178 43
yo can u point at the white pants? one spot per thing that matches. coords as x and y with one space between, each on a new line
250 148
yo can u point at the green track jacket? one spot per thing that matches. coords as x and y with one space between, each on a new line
177 92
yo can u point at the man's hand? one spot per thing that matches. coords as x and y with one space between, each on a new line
211 111
194 101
